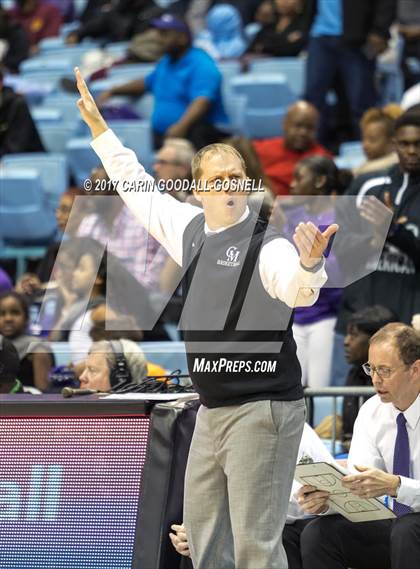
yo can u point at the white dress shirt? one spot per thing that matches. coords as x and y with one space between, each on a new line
374 434
166 219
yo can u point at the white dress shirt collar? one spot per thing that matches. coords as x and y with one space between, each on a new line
209 231
412 414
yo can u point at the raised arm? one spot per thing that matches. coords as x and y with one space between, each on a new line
163 216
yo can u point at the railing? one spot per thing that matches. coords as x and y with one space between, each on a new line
334 393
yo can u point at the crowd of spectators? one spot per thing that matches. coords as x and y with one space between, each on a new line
342 43
103 277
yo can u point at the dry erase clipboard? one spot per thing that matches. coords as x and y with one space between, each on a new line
327 477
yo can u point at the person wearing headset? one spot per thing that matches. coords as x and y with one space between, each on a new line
9 368
112 363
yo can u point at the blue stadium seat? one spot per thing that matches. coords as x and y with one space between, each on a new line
55 136
55 48
45 80
136 135
44 63
51 44
25 217
263 123
118 49
52 168
64 103
350 156
229 69
351 148
144 106
349 162
33 90
263 91
170 355
101 85
128 72
293 68
235 106
81 158
267 100
42 115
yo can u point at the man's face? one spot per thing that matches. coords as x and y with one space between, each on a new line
300 130
356 345
225 206
173 41
403 384
12 317
96 374
166 167
407 145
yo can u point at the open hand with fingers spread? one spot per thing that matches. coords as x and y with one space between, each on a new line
373 210
312 243
88 108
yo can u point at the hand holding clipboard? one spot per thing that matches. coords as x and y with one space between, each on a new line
322 484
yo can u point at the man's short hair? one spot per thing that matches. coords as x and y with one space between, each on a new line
184 150
409 118
371 319
404 337
211 150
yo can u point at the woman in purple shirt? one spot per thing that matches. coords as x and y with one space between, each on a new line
316 181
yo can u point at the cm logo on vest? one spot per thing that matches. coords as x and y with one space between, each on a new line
232 254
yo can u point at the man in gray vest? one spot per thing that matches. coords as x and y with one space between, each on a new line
241 282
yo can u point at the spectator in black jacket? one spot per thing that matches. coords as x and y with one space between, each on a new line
394 282
14 44
345 39
18 132
117 20
288 36
361 327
